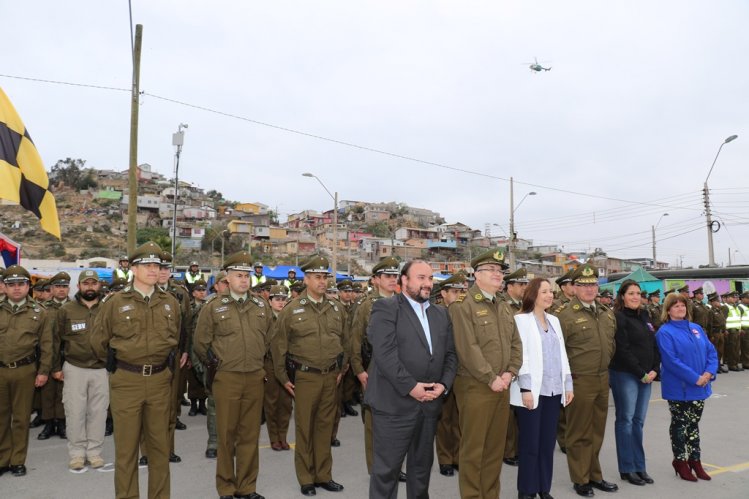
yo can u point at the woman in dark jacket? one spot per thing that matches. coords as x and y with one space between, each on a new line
689 366
631 372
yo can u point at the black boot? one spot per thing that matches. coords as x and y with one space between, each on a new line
47 431
201 407
61 429
109 428
193 407
37 421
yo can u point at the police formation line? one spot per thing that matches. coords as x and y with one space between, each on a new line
528 370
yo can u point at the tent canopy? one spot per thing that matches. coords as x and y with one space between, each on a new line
647 281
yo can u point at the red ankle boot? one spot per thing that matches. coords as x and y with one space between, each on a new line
682 469
696 465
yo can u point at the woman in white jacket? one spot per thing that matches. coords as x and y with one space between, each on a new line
544 384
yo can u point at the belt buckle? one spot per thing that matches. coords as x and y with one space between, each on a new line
12 365
304 368
147 369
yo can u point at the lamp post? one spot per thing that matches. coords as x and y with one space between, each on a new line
708 213
653 227
334 265
513 208
178 139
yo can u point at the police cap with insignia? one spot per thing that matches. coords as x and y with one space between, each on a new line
297 286
520 276
495 257
745 294
40 283
698 291
60 279
278 290
387 265
241 261
258 265
455 281
88 274
149 252
316 265
644 294
669 292
713 297
199 285
565 278
331 286
606 294
193 263
166 259
585 274
16 273
346 285
118 283
683 289
657 293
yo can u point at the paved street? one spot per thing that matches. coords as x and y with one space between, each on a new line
724 429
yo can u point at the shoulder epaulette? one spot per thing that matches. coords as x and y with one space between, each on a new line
560 308
460 299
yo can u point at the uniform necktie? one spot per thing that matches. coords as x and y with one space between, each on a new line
241 301
147 298
15 308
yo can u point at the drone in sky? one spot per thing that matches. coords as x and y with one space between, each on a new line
536 67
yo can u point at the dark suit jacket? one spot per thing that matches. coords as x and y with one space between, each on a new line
401 357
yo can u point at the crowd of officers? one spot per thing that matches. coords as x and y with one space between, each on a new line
120 356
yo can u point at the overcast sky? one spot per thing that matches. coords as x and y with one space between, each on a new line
623 128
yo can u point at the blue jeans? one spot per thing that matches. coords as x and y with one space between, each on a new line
631 398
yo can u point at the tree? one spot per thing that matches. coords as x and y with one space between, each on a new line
72 173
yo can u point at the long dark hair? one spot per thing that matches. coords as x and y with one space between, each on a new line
530 294
619 301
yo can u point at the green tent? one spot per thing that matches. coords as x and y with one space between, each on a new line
647 281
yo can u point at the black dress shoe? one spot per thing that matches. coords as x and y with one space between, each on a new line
447 470
645 477
526 496
61 429
350 411
563 449
47 431
211 453
174 458
584 489
17 470
109 428
308 490
335 443
37 421
143 461
4 470
330 486
402 476
632 478
251 495
226 497
545 495
179 425
604 485
511 461
184 402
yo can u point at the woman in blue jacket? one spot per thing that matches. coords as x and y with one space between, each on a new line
688 365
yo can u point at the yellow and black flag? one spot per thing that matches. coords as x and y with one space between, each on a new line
23 178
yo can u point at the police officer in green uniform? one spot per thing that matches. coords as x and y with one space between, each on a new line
732 313
290 278
296 289
605 298
384 282
515 284
347 296
26 352
277 403
136 331
235 328
448 427
566 287
743 305
490 354
193 275
589 338
700 312
308 354
195 388
123 271
53 411
717 331
654 308
257 277
343 293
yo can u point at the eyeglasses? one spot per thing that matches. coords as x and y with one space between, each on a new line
492 271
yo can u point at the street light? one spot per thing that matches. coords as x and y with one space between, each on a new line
653 227
178 139
334 265
514 208
708 213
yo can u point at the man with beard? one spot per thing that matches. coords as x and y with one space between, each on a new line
86 387
414 365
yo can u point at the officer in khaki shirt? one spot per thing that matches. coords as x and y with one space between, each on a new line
490 354
86 383
589 338
308 341
141 325
447 439
277 403
24 328
235 328
384 283
717 332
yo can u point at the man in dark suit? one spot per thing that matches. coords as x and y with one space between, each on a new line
413 366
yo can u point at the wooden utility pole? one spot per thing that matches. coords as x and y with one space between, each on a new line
132 206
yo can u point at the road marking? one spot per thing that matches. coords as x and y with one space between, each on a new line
736 468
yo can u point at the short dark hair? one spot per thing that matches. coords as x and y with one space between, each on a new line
619 301
407 266
531 293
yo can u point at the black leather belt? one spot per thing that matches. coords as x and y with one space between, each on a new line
309 369
23 362
145 370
